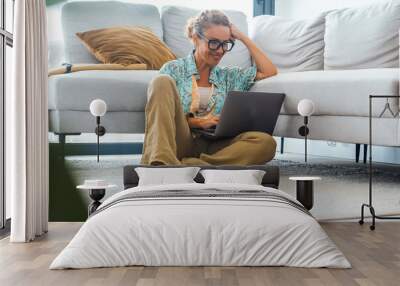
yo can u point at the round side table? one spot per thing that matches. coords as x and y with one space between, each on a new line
305 190
96 193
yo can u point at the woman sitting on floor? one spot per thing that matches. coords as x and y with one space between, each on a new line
190 93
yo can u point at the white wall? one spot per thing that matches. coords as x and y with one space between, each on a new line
301 9
246 6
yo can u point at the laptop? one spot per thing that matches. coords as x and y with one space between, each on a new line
246 111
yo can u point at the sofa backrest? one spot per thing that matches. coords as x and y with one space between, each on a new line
350 38
363 37
174 19
292 45
89 15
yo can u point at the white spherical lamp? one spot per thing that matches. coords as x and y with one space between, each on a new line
98 107
306 107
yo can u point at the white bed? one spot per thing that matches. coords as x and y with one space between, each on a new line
206 230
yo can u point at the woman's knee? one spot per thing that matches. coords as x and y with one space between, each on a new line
265 145
162 81
160 85
263 137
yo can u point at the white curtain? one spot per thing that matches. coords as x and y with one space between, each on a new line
27 124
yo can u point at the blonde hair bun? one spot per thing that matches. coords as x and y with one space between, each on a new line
205 19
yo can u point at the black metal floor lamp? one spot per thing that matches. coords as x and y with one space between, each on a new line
369 205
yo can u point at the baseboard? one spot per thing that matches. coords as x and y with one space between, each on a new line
333 149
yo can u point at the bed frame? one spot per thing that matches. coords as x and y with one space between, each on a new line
270 179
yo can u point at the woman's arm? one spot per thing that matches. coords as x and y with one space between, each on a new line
265 68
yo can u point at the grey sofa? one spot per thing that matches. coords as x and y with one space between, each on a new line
329 59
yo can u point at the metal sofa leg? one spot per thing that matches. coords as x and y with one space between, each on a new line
61 145
358 146
365 153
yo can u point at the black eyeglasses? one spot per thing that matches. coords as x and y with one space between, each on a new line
214 45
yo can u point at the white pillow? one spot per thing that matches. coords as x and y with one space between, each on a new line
165 176
248 177
174 19
292 45
363 37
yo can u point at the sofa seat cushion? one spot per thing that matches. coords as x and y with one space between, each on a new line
121 90
343 93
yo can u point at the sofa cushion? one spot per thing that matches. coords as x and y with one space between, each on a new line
292 45
174 21
90 15
121 90
363 37
339 93
126 46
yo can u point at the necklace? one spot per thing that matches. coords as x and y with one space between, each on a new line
195 105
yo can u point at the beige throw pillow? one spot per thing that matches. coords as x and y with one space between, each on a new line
127 45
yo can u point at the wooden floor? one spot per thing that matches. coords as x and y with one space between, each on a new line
375 257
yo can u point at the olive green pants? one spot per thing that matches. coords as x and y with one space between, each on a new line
168 139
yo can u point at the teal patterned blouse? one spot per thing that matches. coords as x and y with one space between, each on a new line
225 79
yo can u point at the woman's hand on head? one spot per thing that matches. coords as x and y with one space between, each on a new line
236 33
265 68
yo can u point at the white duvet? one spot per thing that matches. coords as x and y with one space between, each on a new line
200 231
